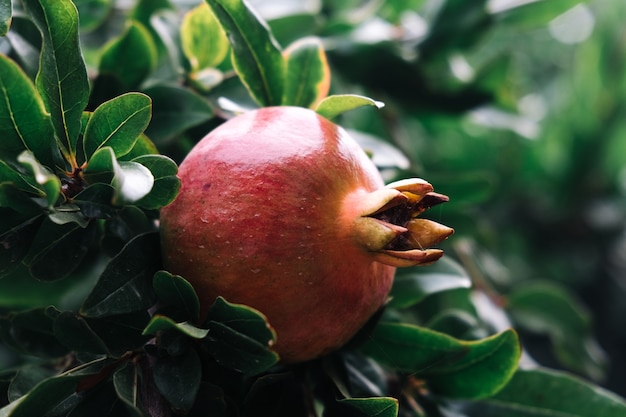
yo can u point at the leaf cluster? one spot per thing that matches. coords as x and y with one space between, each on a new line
97 102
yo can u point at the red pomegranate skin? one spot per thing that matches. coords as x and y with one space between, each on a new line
264 218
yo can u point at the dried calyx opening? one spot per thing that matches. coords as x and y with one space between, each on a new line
390 229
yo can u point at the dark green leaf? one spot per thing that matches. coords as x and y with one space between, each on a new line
307 75
275 394
161 323
455 368
143 146
544 307
26 378
333 106
126 383
57 250
373 407
166 183
203 41
15 241
240 338
10 175
131 57
412 285
96 201
256 55
62 78
118 124
174 290
175 110
32 331
25 126
93 12
74 332
126 283
5 16
130 221
178 379
543 393
121 333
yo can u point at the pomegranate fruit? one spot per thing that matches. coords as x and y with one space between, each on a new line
281 210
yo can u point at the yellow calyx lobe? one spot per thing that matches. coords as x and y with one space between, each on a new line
387 225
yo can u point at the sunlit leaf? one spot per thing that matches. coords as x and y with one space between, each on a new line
256 55
333 106
307 74
24 124
117 123
62 78
203 41
126 283
542 392
132 182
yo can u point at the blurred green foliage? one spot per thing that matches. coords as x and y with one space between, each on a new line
513 109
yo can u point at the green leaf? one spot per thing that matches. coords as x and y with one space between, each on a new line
412 285
166 183
131 57
542 393
58 250
543 307
537 13
239 338
24 124
132 182
49 183
178 379
93 12
256 55
26 378
174 290
15 240
117 123
160 323
373 407
203 41
74 332
96 201
333 106
175 109
32 332
10 176
126 383
126 283
62 77
121 333
307 75
5 16
452 367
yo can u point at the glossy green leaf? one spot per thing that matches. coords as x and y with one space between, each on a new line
203 41
333 106
537 13
132 182
101 166
239 338
161 323
49 183
24 124
131 57
126 283
5 16
307 74
178 379
57 250
373 407
546 308
542 393
256 55
117 123
454 368
62 78
174 290
166 183
175 109
412 285
143 146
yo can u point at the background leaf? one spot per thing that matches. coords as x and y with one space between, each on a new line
255 53
203 41
5 16
333 106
